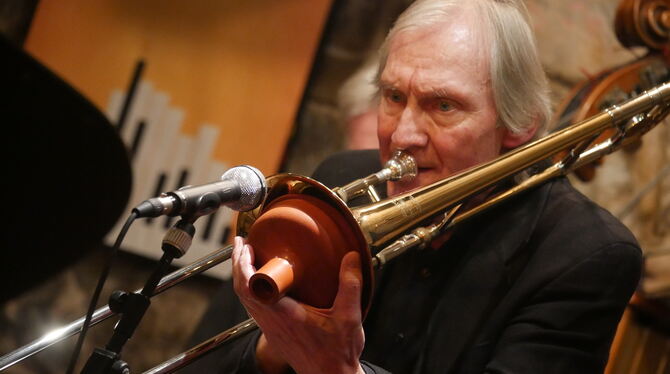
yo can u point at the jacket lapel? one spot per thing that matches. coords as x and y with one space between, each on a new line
491 245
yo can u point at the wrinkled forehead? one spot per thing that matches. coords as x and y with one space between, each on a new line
439 50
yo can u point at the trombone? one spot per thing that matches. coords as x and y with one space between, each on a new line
390 225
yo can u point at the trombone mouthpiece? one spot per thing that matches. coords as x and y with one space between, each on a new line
401 165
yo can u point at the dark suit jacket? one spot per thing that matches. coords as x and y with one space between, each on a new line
536 285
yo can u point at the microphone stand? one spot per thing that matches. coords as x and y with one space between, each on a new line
132 306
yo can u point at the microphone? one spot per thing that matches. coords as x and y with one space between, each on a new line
241 188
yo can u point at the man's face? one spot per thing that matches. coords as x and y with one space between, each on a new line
436 102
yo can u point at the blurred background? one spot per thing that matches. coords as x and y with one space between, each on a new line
196 87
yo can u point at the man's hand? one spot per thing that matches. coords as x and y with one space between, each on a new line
309 340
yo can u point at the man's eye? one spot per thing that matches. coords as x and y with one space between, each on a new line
444 106
394 96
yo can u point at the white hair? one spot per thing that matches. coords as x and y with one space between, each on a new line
518 82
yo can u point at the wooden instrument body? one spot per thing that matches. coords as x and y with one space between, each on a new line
642 342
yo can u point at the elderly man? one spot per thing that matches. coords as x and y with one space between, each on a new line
536 285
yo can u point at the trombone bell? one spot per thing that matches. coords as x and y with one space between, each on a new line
317 230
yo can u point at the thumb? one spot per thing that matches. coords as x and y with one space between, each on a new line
348 299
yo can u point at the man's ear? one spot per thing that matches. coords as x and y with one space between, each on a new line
512 140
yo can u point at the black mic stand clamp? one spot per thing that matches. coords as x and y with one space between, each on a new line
132 306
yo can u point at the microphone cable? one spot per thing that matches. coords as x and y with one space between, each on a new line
98 289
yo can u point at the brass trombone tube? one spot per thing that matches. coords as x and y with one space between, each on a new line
382 221
592 154
185 358
101 314
553 171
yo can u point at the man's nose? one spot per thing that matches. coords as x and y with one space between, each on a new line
410 131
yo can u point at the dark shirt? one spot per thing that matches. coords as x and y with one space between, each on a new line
534 285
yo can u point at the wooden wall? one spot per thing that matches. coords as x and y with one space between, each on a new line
240 65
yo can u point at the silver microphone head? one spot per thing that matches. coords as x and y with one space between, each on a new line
252 187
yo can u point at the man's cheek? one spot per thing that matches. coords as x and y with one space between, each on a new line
384 137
